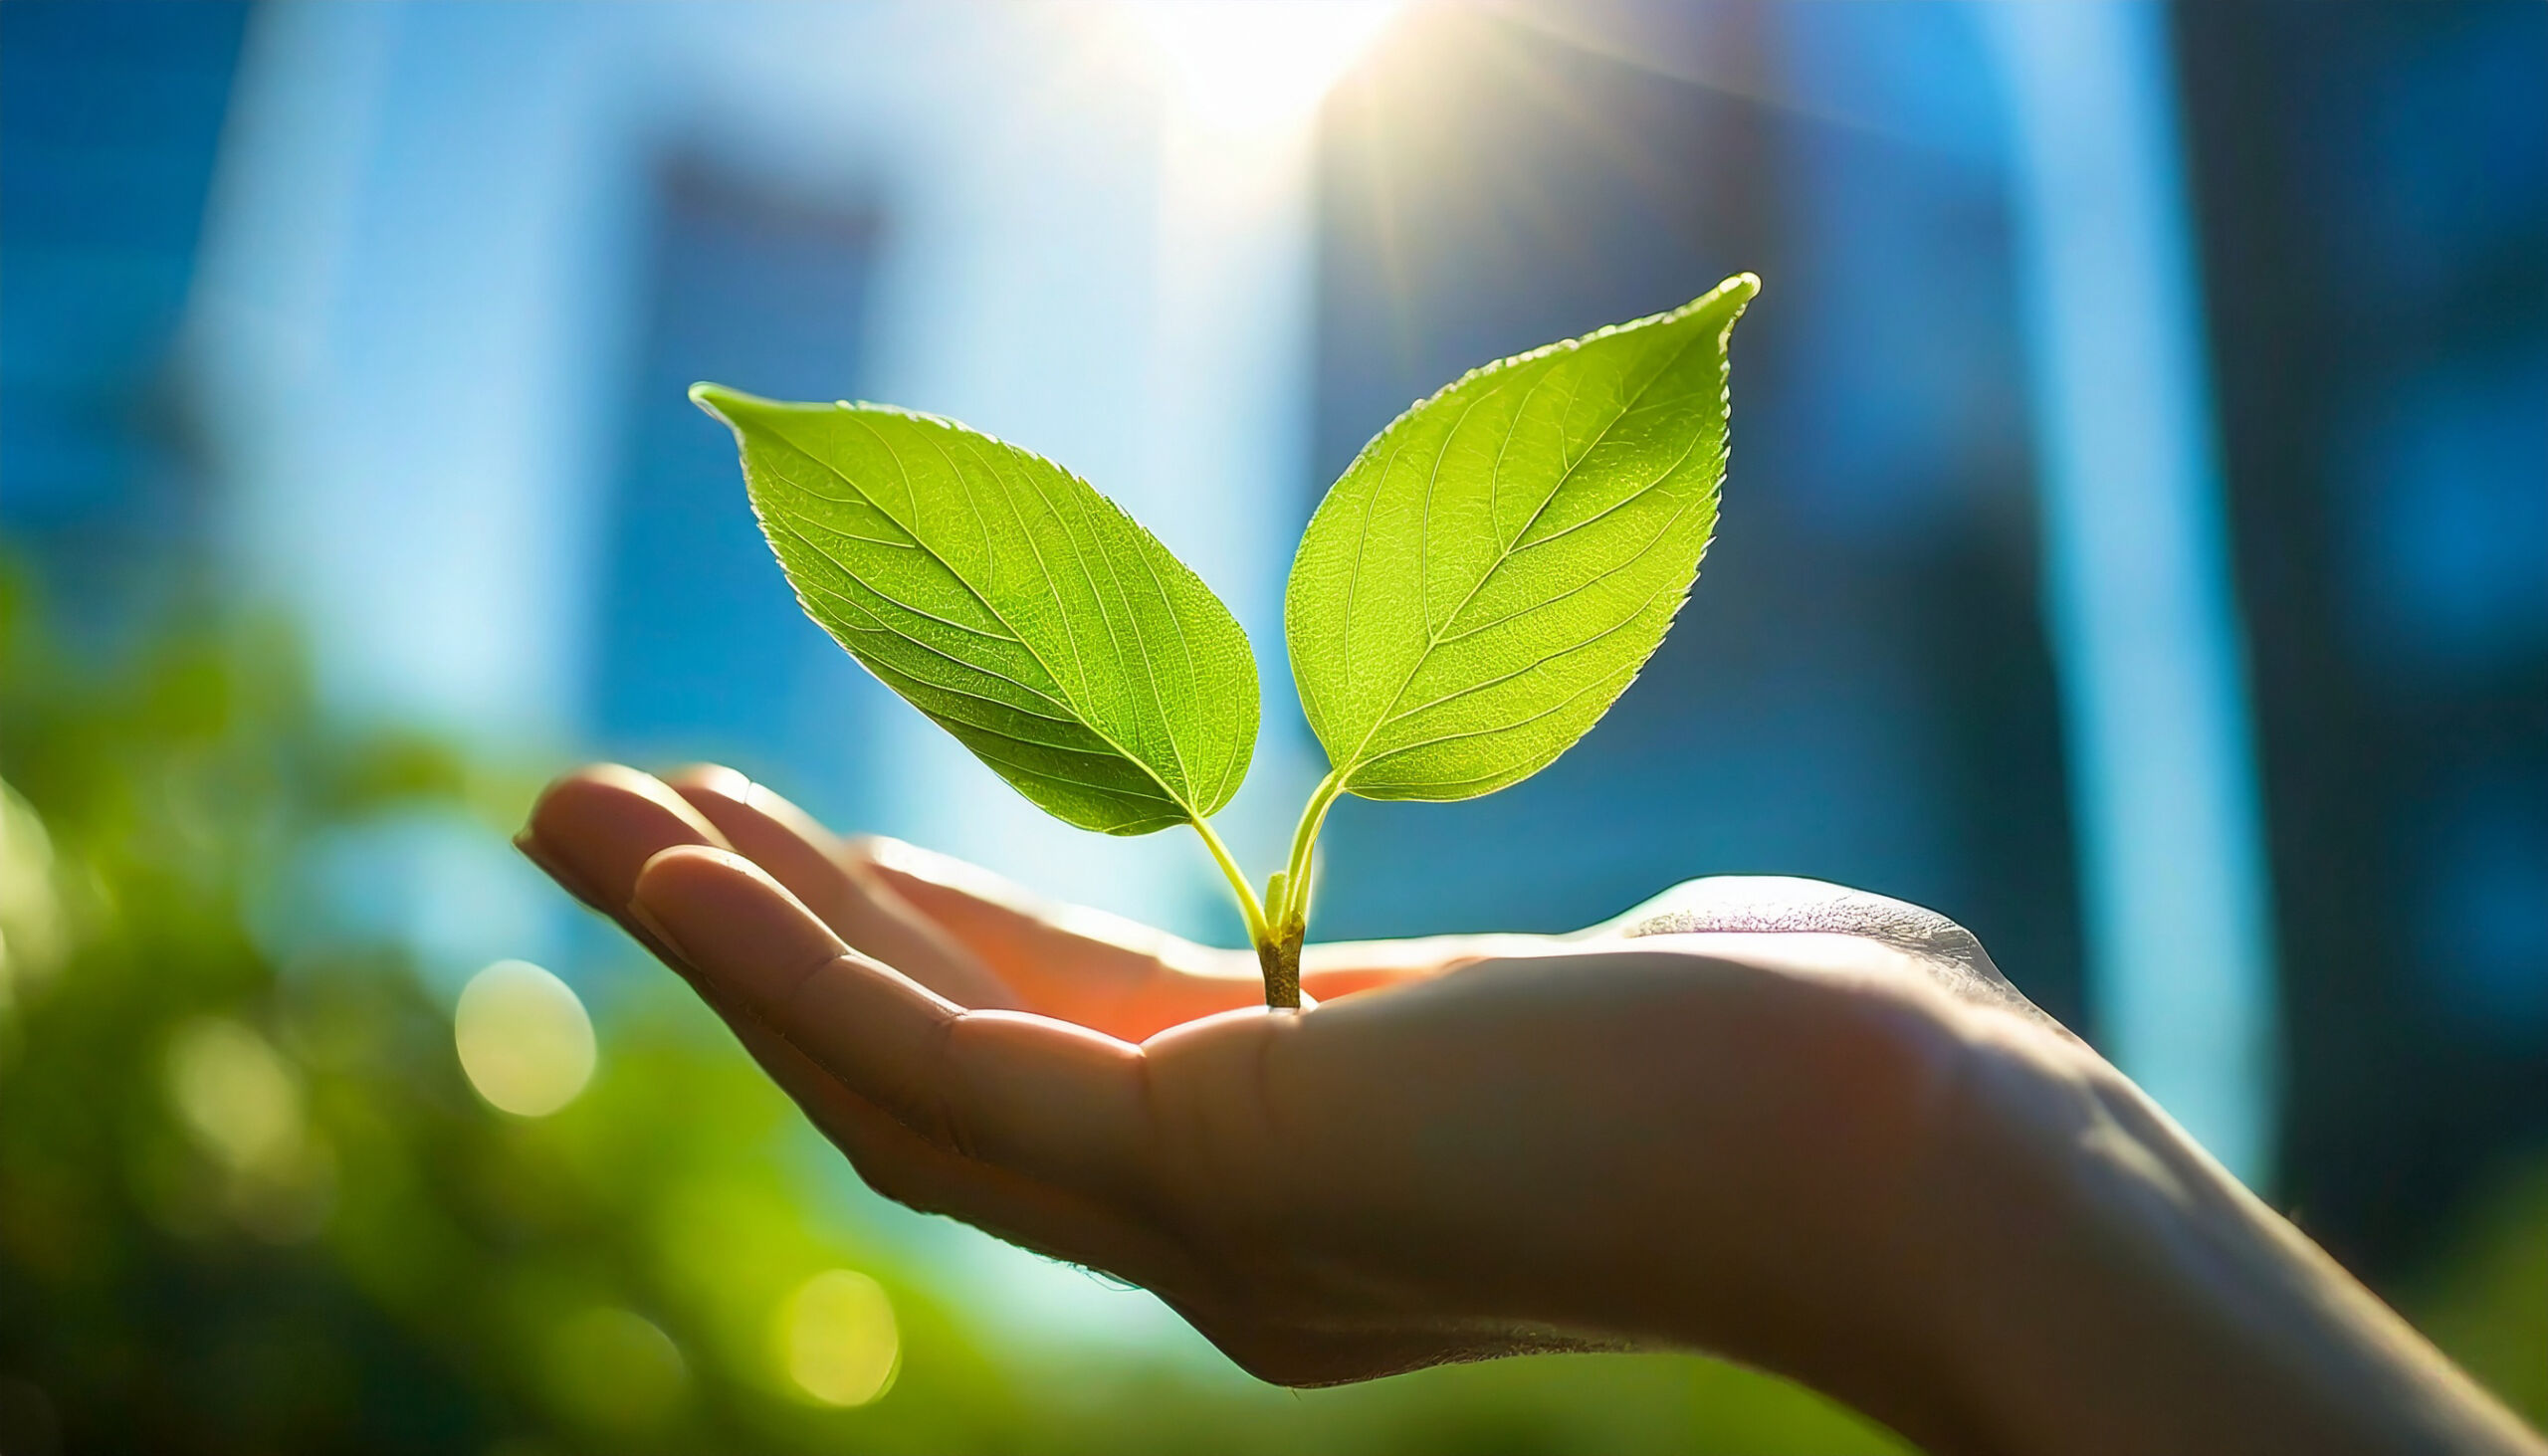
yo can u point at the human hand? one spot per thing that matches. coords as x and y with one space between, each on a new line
1672 1129
1771 1119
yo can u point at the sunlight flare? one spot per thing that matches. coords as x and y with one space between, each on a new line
1257 66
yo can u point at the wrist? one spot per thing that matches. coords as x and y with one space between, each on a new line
2097 1282
1822 1104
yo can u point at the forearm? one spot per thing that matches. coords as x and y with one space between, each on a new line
2102 1285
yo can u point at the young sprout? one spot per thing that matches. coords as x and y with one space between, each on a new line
1478 588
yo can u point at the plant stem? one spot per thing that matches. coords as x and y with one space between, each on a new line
1279 961
1278 925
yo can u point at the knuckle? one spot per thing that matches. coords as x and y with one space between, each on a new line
1775 903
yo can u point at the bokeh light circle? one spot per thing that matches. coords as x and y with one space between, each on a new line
236 1094
523 1039
838 1339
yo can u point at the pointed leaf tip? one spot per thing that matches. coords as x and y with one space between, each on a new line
720 401
1497 565
1010 602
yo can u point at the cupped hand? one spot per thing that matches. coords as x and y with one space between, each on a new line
1685 1127
1800 1126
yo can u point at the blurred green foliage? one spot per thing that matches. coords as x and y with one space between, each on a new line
249 1201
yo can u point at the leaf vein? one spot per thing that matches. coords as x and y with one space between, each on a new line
1665 369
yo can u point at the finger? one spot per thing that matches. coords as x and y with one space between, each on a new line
1054 1101
809 860
1097 970
912 1172
595 828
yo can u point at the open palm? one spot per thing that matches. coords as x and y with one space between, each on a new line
1472 1145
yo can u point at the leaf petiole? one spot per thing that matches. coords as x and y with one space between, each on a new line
1294 879
1259 933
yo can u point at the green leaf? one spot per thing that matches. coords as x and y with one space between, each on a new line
1022 611
1492 570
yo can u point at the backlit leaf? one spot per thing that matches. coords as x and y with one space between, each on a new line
1493 569
1021 611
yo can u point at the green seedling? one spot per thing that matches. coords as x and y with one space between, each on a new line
1475 591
